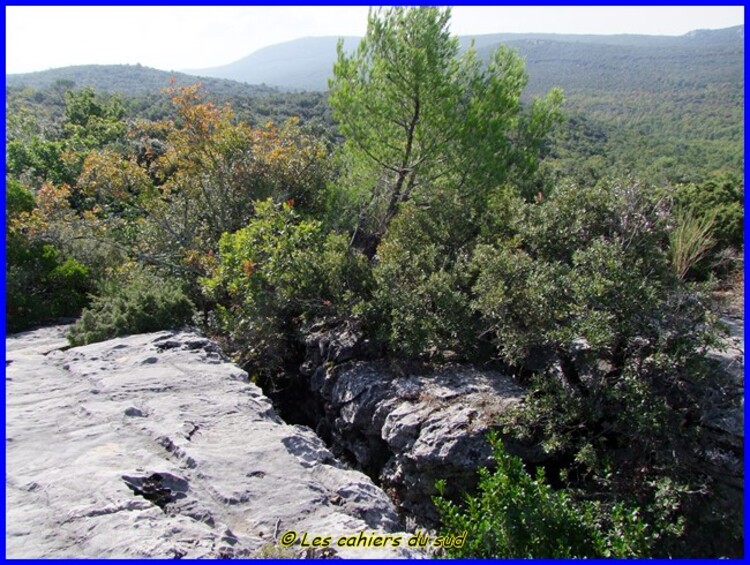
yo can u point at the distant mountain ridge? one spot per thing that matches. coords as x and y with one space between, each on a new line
569 61
307 63
303 64
131 80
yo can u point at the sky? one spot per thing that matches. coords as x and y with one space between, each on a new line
175 38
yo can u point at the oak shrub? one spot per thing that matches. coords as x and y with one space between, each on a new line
275 274
142 302
515 514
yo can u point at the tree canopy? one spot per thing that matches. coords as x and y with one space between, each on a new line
415 113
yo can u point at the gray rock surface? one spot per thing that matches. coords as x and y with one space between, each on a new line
336 344
723 417
726 414
156 446
411 430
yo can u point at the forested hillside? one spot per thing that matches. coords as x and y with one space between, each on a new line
681 97
670 108
562 60
448 207
142 92
662 109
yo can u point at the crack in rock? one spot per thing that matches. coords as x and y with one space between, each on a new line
158 488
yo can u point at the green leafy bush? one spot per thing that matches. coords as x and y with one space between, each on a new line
145 303
709 227
277 273
584 263
720 198
18 199
516 515
585 291
42 285
421 301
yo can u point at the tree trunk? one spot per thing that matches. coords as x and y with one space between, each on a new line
399 194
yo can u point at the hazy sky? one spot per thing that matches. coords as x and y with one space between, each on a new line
192 37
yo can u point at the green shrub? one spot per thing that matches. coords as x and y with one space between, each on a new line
709 227
720 198
515 515
18 199
587 262
277 273
145 303
41 285
421 302
585 291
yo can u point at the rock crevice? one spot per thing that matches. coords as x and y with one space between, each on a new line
408 431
